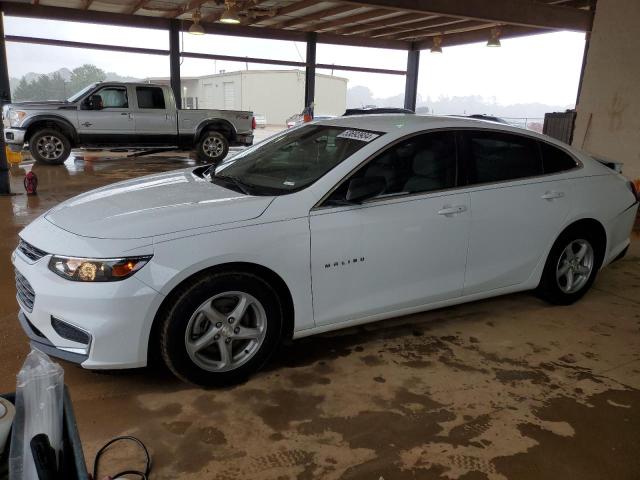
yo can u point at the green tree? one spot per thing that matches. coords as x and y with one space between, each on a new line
83 76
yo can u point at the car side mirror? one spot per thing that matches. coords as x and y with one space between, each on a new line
95 102
361 189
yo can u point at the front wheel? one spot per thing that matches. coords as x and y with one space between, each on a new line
571 267
212 147
220 328
49 146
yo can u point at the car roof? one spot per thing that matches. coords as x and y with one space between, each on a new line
388 122
410 123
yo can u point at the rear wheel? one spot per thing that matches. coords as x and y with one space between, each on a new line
221 328
49 146
571 267
212 147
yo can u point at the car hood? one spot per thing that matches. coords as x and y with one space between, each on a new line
154 205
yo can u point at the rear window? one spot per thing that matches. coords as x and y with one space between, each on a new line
555 160
150 97
497 156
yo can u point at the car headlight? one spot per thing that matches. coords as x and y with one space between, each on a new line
15 117
98 269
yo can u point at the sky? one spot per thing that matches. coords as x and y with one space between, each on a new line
541 68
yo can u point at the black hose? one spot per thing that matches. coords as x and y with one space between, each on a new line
142 475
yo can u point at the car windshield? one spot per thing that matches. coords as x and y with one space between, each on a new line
293 160
78 95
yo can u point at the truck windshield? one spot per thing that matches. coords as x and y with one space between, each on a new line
78 95
293 160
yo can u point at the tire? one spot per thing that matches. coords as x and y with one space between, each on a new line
49 146
565 280
212 147
199 326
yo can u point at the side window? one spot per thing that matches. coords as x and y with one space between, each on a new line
555 160
422 163
497 156
114 97
150 97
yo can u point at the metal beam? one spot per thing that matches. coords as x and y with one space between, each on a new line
434 23
90 16
294 7
332 24
136 6
84 45
174 61
5 97
368 27
310 72
526 13
331 12
411 84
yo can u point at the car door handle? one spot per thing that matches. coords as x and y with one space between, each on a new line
552 195
452 210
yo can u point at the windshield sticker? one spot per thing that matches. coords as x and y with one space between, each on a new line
360 135
289 183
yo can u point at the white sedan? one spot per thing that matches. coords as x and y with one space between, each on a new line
324 226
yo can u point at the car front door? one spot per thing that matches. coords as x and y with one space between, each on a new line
109 121
403 248
156 122
516 209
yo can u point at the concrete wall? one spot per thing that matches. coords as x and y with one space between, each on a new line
277 94
608 120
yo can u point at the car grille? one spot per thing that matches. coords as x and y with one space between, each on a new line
26 296
30 251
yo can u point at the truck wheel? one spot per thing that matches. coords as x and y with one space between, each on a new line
212 147
49 146
220 328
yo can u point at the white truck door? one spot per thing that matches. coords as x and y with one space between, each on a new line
156 116
110 122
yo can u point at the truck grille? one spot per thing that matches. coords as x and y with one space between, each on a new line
30 251
26 296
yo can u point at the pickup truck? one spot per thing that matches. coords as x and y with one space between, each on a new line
123 115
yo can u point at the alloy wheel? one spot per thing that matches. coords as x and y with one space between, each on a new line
213 146
574 266
225 331
50 147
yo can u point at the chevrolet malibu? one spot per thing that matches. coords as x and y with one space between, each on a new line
328 225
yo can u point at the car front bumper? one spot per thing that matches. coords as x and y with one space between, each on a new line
14 136
111 318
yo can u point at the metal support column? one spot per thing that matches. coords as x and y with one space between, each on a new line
411 85
5 97
174 60
310 72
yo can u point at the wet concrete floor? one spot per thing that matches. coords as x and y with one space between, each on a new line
503 388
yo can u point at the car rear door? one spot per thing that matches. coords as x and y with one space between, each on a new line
517 210
156 116
405 248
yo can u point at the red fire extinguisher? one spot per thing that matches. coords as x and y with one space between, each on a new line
31 183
